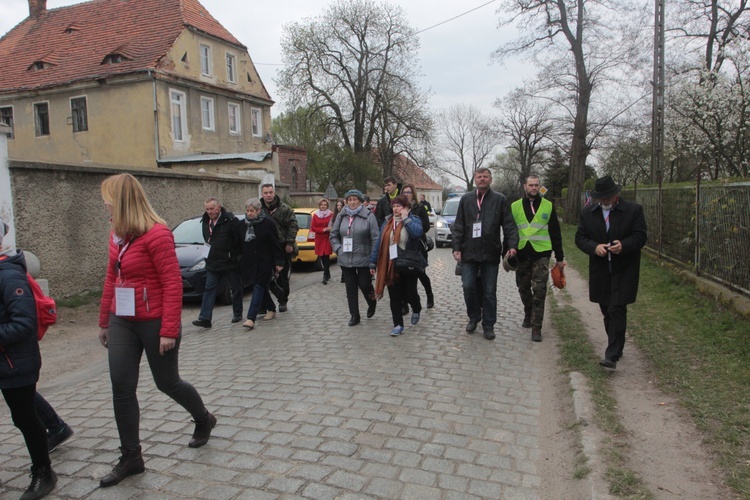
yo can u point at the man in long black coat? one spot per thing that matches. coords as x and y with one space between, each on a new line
612 232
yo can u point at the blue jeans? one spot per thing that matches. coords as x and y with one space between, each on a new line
51 420
261 298
213 278
488 312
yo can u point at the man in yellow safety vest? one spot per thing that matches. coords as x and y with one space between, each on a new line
538 235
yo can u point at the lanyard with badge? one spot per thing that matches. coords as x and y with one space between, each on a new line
476 230
393 248
348 243
124 295
207 245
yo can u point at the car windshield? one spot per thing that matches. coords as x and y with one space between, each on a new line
450 208
303 220
188 232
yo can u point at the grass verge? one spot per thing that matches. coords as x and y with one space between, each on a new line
700 354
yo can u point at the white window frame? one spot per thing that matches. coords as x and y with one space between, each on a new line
235 127
182 106
12 134
205 57
231 68
207 114
256 116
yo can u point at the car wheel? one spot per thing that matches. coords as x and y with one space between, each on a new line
318 265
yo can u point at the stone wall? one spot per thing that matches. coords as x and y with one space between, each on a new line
60 217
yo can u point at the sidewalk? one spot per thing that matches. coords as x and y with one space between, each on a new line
311 408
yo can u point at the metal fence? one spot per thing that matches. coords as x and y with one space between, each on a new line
705 227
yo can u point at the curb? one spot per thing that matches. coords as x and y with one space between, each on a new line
591 436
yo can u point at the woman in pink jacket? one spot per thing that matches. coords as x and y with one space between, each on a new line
321 226
141 311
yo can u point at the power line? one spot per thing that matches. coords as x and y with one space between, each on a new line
455 17
418 32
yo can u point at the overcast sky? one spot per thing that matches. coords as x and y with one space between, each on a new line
455 56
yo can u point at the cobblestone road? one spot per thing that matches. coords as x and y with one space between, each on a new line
311 408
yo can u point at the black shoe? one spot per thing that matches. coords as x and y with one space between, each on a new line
471 326
430 302
414 318
236 319
489 334
282 307
608 363
325 281
405 309
58 438
536 334
354 321
371 309
526 322
203 323
202 431
131 463
43 480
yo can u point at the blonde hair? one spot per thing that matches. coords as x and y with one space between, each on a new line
132 214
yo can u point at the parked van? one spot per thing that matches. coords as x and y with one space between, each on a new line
445 220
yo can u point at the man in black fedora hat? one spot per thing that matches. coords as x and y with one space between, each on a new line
612 232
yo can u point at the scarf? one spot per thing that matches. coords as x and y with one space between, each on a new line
387 274
322 214
251 223
351 213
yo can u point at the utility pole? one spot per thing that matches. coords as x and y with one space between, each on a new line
657 118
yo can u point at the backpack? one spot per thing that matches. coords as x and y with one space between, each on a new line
46 309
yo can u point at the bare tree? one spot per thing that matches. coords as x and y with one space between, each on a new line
466 140
353 62
527 126
595 39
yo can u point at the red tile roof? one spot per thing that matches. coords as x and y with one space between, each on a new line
73 41
410 173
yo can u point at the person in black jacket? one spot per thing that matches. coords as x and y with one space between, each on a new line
612 231
418 210
383 207
261 257
477 245
222 253
20 362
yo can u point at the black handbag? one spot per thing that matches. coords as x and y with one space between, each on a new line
428 243
410 262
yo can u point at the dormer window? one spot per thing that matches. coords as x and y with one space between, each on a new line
39 65
72 29
113 59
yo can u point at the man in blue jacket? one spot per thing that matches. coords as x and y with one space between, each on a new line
482 215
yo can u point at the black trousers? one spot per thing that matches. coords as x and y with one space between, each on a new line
357 277
615 323
281 287
404 291
20 401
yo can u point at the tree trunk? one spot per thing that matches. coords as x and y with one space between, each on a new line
579 152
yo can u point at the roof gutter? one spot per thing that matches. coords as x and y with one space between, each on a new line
156 117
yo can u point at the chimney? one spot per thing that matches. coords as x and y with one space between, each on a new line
37 8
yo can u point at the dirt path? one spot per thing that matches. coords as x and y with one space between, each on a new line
664 446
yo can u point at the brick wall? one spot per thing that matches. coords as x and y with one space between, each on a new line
292 167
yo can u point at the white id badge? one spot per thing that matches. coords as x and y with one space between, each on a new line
124 301
393 251
204 251
348 244
476 230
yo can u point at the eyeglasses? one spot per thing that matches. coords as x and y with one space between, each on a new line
408 192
